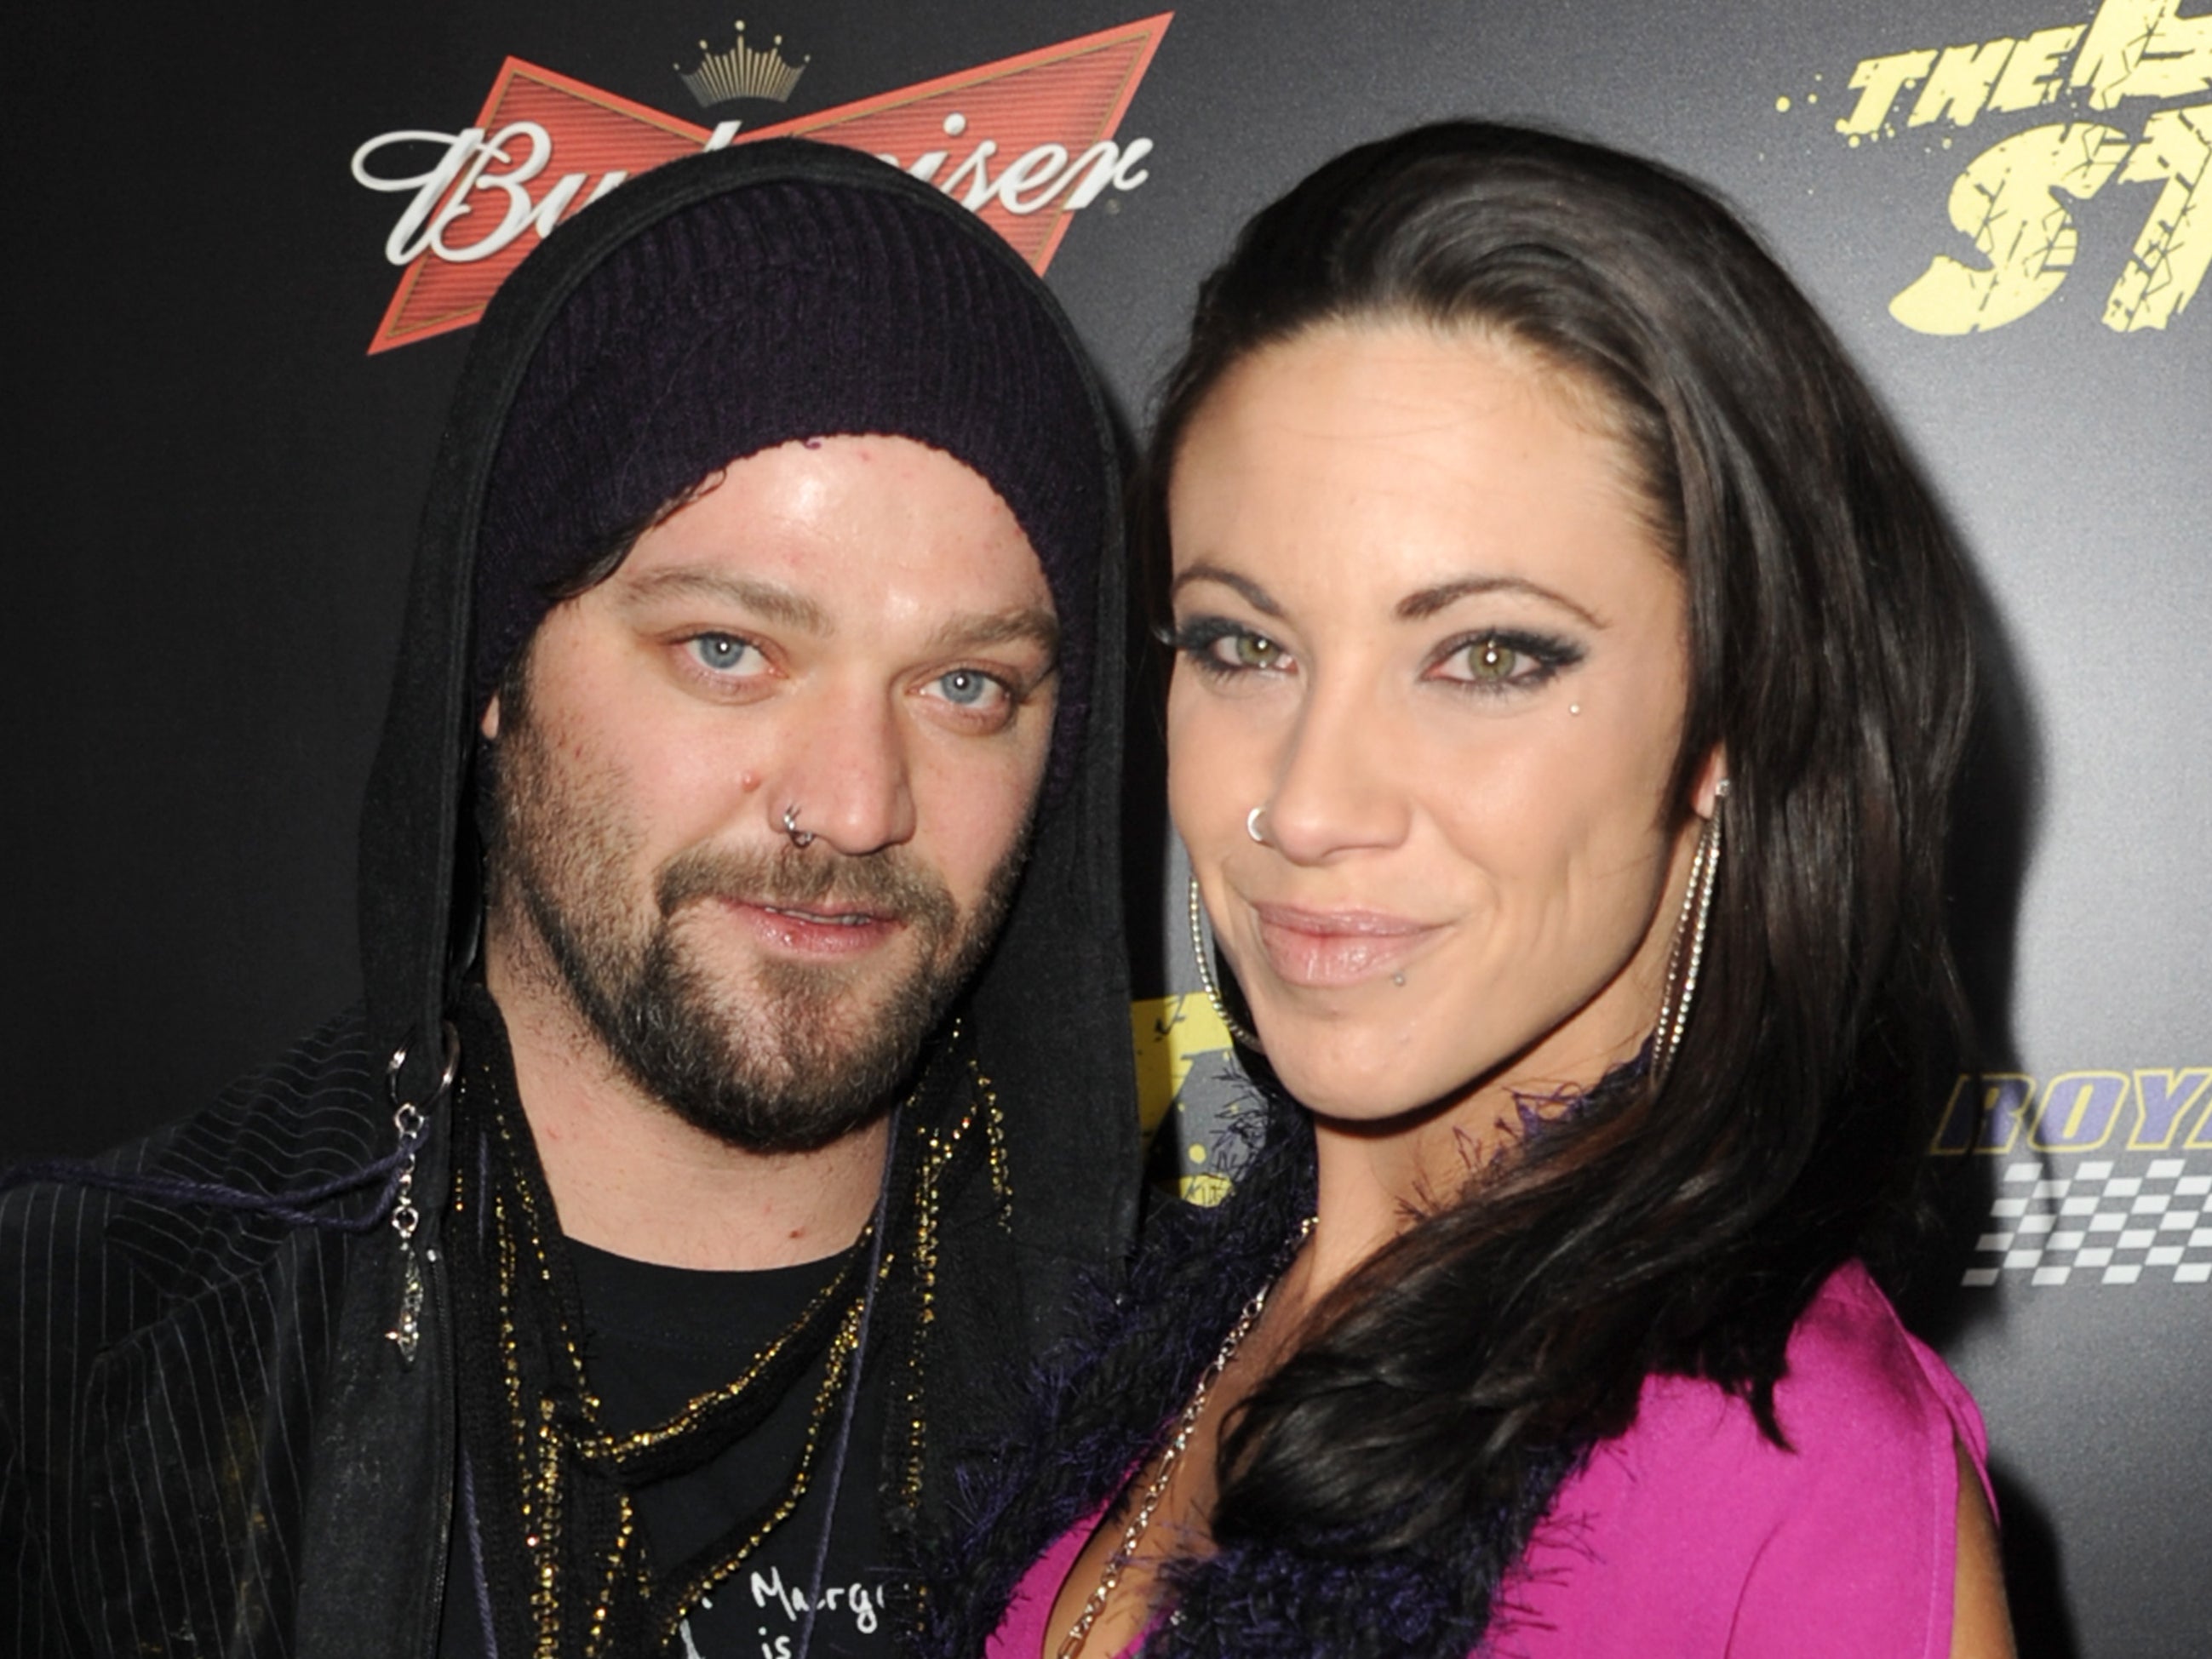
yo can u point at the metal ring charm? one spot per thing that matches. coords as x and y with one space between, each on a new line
445 1078
1252 825
799 837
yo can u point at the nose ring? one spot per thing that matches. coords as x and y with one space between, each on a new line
1252 825
799 837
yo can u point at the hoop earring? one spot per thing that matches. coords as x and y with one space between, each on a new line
1241 1033
1686 955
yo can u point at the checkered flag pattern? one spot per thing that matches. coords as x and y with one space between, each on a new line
2095 1225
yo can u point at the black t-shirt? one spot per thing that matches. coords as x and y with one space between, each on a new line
657 1337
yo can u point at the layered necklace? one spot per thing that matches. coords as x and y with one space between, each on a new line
548 1491
1171 1458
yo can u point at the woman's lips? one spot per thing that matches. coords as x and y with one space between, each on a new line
802 930
1325 948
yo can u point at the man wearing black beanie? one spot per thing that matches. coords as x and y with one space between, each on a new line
743 1085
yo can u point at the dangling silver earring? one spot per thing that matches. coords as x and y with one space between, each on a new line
1688 953
1237 1028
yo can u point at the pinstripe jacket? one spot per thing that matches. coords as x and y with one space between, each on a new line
208 1444
205 1429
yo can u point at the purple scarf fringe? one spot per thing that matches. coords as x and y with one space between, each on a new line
1104 1405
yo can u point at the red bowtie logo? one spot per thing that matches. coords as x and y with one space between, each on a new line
1026 142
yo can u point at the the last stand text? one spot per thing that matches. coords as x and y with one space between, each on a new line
2011 198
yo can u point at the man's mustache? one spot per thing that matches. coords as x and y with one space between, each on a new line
888 884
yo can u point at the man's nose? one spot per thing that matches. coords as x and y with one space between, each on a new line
845 776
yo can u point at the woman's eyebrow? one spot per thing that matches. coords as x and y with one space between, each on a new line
1254 595
1417 607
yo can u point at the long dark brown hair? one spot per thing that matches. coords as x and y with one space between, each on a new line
1676 1224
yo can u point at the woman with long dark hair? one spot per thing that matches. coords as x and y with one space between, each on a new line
1571 673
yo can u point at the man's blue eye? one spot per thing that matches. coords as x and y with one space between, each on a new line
966 687
721 652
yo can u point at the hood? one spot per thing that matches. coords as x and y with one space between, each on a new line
1050 1008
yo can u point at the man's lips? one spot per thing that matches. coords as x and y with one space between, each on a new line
1328 948
828 918
822 929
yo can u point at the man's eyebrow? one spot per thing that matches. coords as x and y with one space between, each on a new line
976 631
967 630
771 600
1417 607
1254 595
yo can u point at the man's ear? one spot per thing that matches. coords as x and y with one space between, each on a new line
489 725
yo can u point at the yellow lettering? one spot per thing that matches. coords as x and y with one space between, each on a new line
1987 1118
1878 81
1960 83
2079 1111
2163 1101
2167 264
2006 201
1171 1033
2031 76
2140 49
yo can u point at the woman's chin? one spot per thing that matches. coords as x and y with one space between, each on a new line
1367 1098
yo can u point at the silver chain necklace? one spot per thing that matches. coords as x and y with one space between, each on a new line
1171 1455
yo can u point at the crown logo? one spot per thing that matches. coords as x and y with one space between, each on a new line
741 72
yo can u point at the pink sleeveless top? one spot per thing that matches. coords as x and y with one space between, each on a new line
1693 1535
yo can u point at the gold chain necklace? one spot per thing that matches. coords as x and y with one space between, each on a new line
548 1451
1171 1455
546 1459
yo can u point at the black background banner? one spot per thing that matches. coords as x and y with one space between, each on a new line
214 485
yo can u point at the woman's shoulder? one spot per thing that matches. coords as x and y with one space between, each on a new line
1868 1416
1860 1386
1859 1395
1695 1523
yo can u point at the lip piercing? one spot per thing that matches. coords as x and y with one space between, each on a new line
1574 708
1252 825
799 837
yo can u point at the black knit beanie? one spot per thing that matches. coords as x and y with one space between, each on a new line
788 308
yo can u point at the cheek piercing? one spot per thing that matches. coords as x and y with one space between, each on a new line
799 837
1574 708
1252 825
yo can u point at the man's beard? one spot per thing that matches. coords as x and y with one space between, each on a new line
797 1058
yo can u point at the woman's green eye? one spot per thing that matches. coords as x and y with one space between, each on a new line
1219 646
1491 661
1256 651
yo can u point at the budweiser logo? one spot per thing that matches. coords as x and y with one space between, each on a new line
1026 142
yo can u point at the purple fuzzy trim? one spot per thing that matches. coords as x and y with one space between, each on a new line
1105 1406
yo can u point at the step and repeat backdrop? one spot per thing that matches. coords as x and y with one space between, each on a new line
246 249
